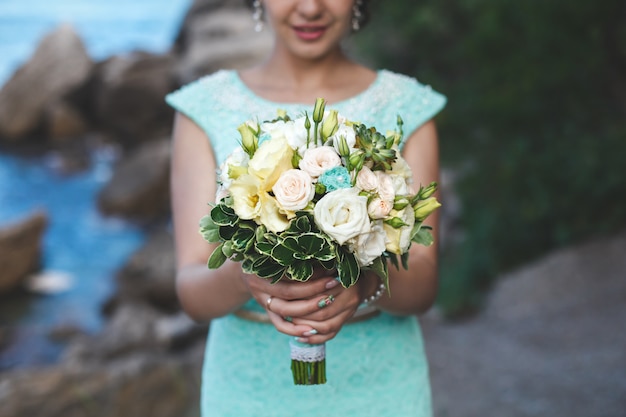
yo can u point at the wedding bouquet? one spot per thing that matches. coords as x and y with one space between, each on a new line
316 191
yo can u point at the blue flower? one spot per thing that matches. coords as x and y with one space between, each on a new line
335 179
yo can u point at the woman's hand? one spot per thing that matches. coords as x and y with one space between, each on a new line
314 310
286 300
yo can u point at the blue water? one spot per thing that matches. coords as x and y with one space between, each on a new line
78 242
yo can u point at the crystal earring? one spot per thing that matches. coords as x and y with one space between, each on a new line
357 15
257 15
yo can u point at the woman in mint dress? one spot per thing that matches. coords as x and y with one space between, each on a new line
376 365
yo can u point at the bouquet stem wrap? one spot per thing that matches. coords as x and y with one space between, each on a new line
308 363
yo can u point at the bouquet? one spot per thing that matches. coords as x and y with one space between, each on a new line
316 191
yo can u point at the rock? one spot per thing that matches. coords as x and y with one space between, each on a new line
547 343
213 39
139 188
155 386
20 250
128 94
59 65
63 123
149 275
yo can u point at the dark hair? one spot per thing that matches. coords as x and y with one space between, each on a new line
365 11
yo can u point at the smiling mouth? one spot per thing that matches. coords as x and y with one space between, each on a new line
309 32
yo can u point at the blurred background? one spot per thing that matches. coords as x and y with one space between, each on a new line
532 297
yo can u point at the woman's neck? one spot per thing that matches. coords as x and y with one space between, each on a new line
290 80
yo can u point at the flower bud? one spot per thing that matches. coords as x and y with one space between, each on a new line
425 207
330 125
396 222
400 203
318 110
428 191
343 147
249 141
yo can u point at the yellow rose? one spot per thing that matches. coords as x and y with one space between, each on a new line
270 214
271 159
246 196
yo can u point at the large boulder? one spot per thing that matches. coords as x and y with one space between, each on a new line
216 35
20 250
128 96
149 275
59 66
139 188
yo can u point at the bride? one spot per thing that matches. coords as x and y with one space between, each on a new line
376 363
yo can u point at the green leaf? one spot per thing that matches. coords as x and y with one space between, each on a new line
347 268
227 248
264 248
227 232
209 230
223 215
423 236
405 260
311 243
243 238
393 258
300 271
217 258
283 254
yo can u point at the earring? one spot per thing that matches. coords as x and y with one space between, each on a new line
357 15
257 15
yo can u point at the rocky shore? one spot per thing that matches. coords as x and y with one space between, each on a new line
547 343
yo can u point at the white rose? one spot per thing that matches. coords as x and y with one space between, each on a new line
348 134
367 180
379 208
293 131
342 214
369 246
398 240
400 167
385 186
316 161
400 187
294 189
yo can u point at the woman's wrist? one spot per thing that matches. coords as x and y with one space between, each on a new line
373 289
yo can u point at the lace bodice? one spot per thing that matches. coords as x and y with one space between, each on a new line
220 102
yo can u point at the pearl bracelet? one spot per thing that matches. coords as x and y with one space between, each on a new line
374 297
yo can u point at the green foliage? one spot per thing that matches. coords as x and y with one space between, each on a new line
537 103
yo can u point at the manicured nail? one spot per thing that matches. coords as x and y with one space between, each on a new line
332 284
325 302
310 332
288 318
302 340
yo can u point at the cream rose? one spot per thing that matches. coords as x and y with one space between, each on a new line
342 214
294 189
385 186
398 240
379 208
366 179
316 161
369 246
271 159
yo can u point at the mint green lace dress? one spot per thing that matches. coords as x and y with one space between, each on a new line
375 367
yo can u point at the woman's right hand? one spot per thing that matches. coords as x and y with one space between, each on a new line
286 299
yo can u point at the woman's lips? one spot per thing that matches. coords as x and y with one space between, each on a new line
309 33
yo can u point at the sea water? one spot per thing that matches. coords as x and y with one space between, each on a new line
80 246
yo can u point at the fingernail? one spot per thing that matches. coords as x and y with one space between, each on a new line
310 332
332 284
288 318
302 340
324 302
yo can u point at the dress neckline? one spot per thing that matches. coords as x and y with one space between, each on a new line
247 91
